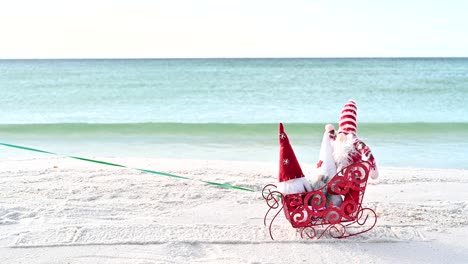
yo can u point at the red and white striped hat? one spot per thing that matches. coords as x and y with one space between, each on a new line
348 116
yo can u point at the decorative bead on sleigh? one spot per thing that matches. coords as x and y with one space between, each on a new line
314 218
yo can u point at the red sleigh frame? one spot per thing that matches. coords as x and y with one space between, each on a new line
309 213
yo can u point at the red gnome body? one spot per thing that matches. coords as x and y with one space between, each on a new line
291 178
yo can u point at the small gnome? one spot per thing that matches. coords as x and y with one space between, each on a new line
291 179
348 148
326 167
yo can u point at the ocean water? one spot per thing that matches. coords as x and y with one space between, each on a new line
412 112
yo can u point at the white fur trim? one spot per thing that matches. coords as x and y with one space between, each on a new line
298 185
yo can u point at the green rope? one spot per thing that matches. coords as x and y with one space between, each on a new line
222 185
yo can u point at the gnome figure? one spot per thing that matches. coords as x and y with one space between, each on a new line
326 167
346 148
291 179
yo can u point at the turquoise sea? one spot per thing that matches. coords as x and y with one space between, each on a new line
412 112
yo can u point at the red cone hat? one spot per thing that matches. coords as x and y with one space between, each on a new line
288 165
348 116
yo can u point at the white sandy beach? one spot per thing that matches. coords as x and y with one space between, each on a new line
58 210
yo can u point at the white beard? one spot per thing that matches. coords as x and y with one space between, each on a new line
342 151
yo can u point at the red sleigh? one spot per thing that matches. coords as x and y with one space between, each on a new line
309 213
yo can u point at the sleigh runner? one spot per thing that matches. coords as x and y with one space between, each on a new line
310 213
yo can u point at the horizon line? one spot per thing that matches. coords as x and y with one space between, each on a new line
239 58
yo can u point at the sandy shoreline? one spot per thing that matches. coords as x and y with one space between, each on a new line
57 210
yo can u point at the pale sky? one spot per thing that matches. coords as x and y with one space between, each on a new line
232 28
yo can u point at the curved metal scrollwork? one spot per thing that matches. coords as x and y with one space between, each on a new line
357 174
314 217
337 230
